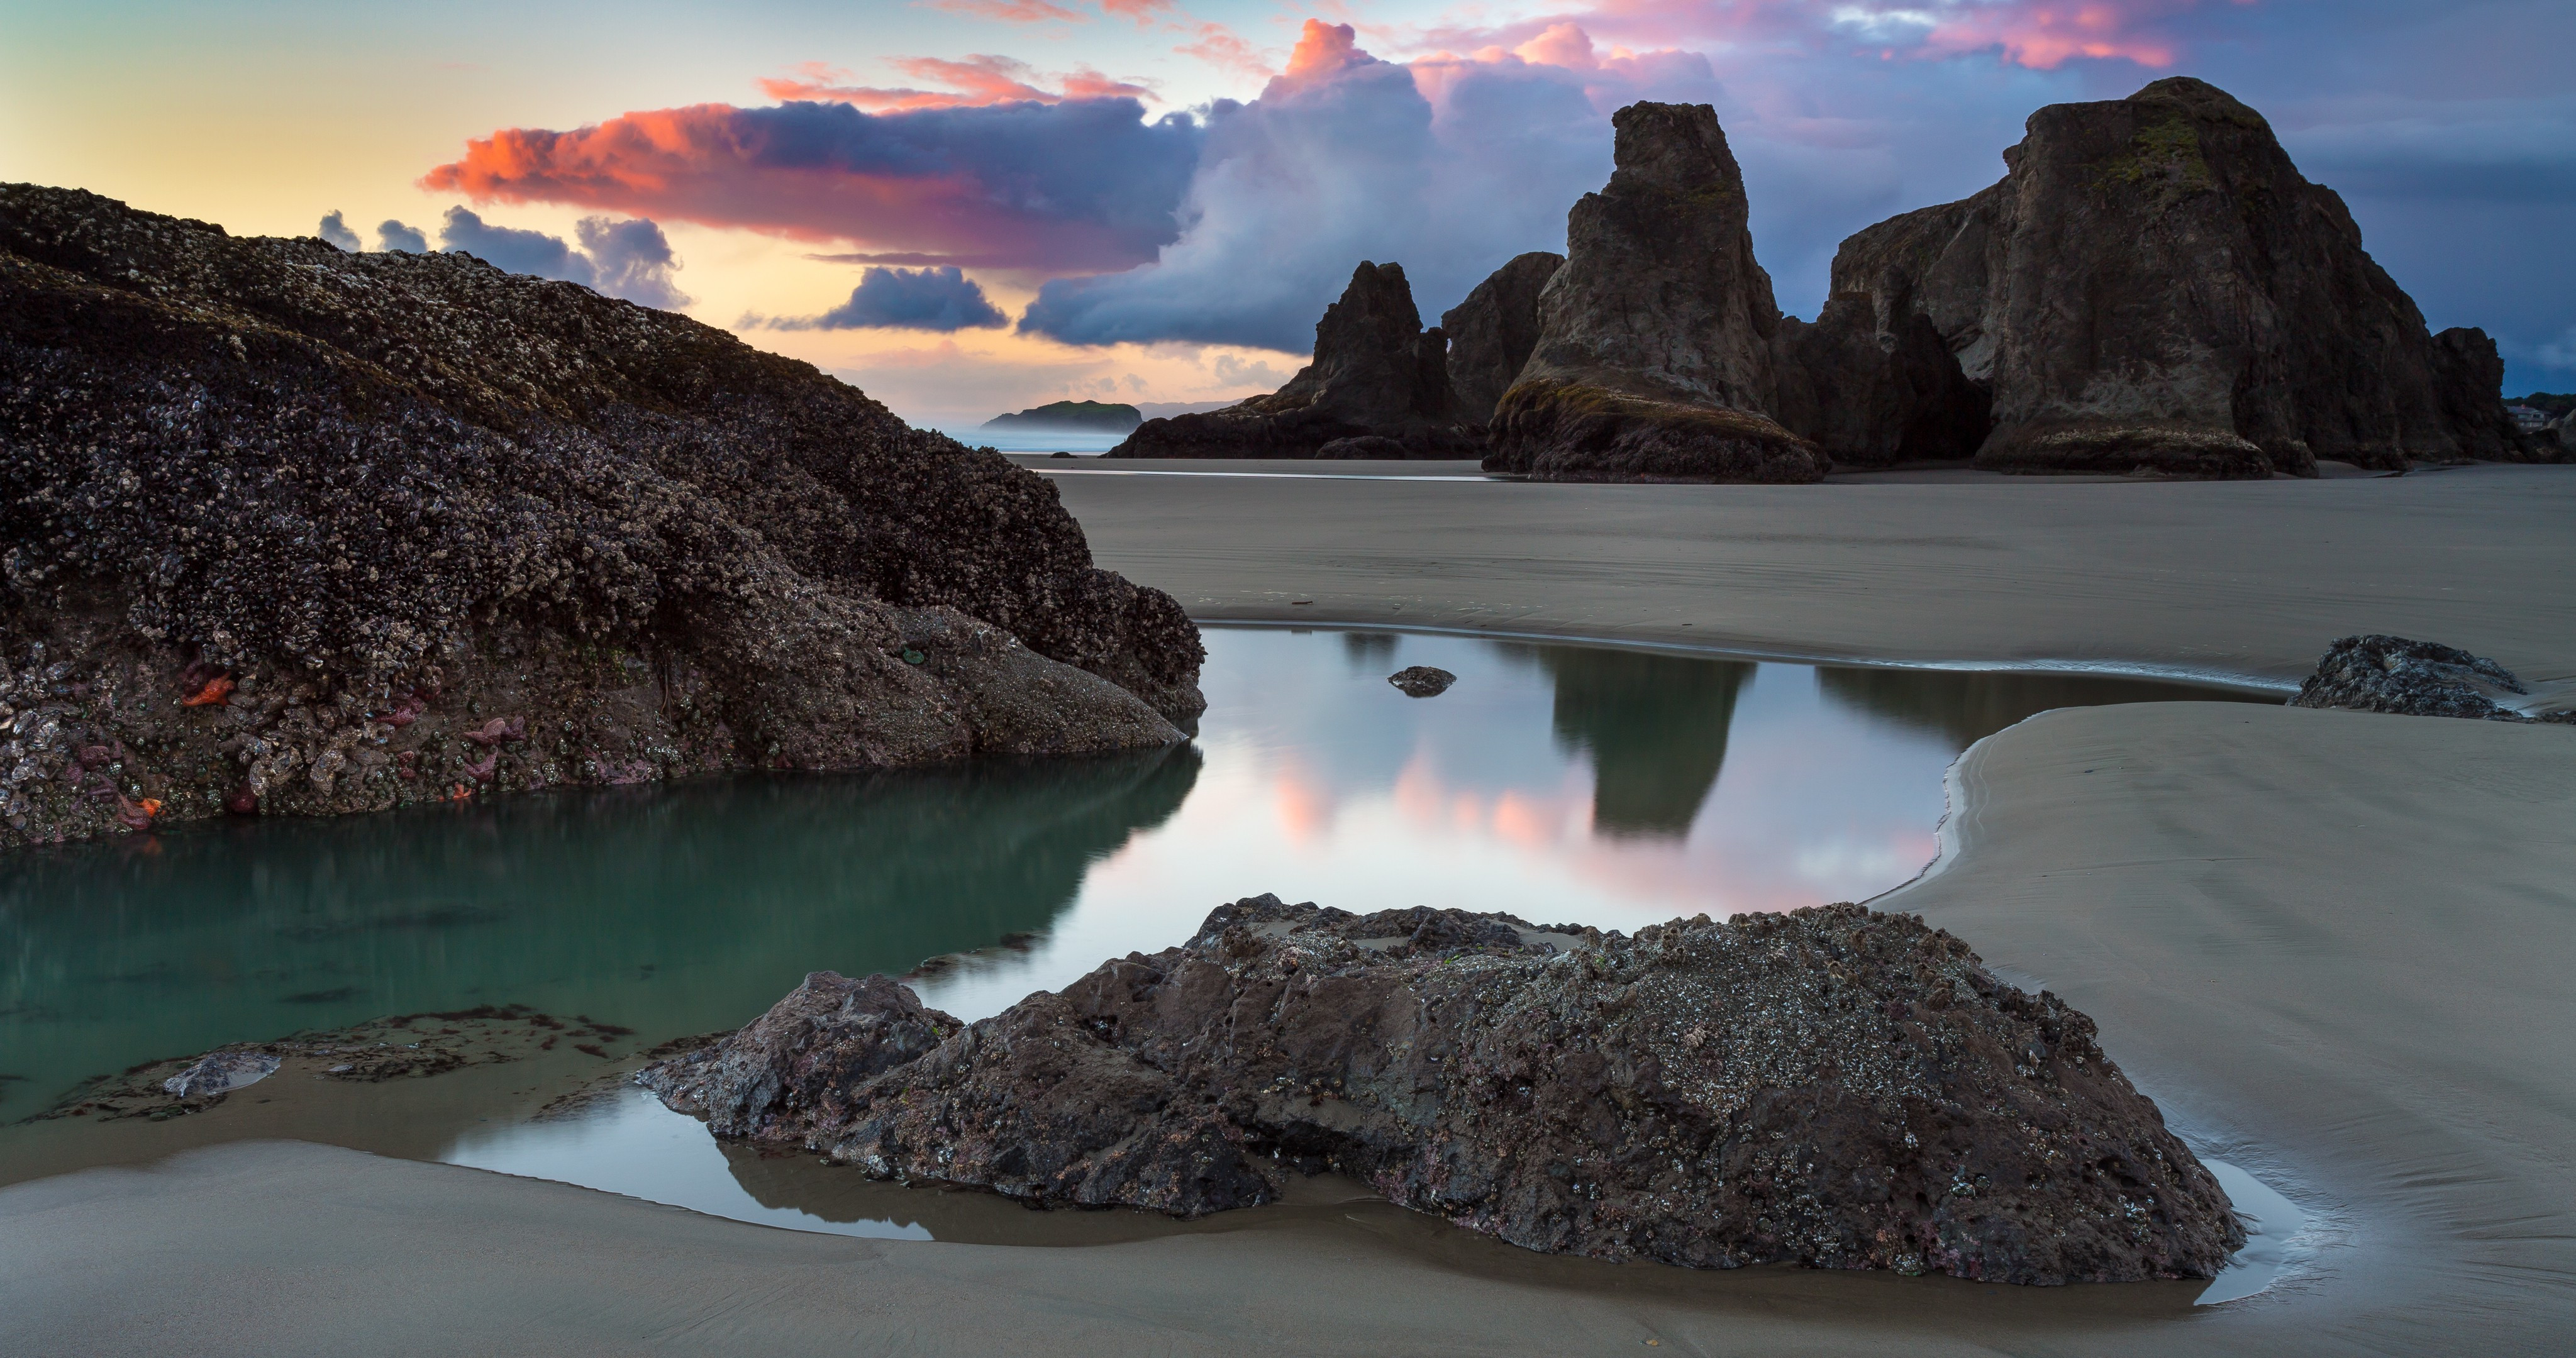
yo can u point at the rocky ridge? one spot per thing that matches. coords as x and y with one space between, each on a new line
1832 1087
1377 388
292 530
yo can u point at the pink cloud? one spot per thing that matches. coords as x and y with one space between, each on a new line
1142 11
1009 11
974 81
1222 48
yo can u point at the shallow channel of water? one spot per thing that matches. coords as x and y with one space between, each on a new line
1562 783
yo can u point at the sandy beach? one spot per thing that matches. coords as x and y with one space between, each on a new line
2331 945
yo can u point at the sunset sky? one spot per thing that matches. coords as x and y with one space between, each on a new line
969 206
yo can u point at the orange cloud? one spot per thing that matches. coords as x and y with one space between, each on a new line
1142 11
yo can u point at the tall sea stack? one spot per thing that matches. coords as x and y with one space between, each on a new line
1653 360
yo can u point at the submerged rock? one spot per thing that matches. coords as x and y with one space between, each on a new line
1379 387
2153 286
290 528
221 1073
1832 1087
1492 332
2379 673
1653 358
1422 681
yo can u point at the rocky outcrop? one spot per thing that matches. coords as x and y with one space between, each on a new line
1492 332
1830 1087
294 530
2379 673
1377 375
1653 359
1871 390
2153 286
2468 377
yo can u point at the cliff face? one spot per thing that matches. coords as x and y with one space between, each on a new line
1492 332
1653 359
297 530
1379 387
2153 285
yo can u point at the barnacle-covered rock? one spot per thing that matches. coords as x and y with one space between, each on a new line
1833 1087
2379 673
288 528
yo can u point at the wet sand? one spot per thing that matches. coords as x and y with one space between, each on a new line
2333 946
2244 579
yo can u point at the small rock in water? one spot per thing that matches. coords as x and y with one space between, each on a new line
221 1073
1422 681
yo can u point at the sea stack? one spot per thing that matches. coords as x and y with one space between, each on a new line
1653 360
1492 332
1378 387
296 530
2154 287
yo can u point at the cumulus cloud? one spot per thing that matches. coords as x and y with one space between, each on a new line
629 259
939 298
1450 166
1077 184
393 235
335 229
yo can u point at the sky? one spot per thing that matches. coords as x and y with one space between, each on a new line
972 206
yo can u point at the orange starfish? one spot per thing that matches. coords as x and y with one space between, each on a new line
212 695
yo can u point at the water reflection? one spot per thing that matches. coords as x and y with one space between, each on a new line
668 910
1561 783
1653 726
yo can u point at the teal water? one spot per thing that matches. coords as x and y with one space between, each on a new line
1562 783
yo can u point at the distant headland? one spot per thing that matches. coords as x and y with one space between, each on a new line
1087 416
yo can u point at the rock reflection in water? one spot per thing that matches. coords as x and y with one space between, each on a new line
1654 726
671 910
1964 707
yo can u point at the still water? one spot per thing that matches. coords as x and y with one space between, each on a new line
1562 783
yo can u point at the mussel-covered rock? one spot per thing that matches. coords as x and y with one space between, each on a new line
1833 1086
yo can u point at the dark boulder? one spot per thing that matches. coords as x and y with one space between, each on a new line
1492 332
1831 1087
2379 673
1422 681
1653 359
799 1060
2153 286
283 518
1377 374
